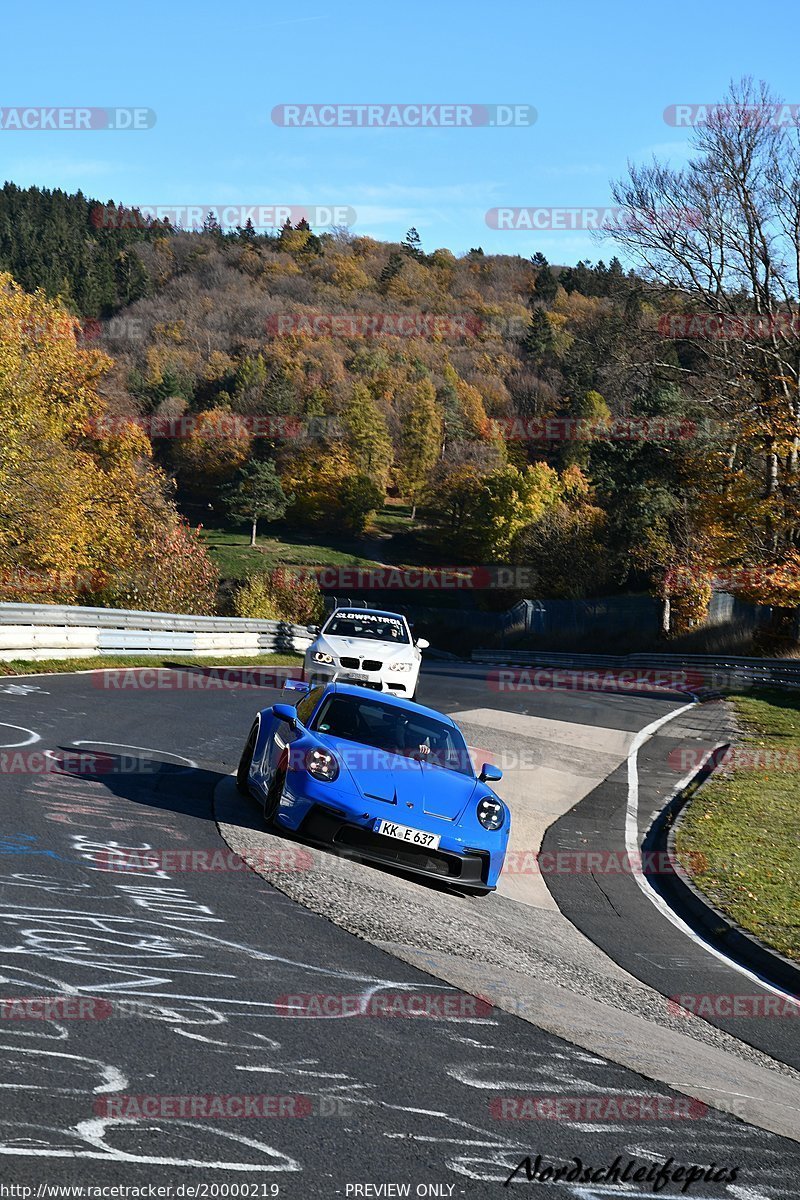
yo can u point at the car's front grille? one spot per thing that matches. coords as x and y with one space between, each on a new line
395 851
320 824
357 664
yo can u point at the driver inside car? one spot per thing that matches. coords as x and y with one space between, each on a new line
400 738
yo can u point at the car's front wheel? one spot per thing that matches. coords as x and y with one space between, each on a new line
274 793
245 762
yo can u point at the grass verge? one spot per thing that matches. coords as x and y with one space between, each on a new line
100 661
739 838
234 557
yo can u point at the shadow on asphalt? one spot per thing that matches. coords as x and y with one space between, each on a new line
144 779
155 783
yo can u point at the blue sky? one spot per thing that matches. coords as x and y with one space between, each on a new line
599 76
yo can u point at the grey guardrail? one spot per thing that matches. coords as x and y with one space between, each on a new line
43 631
707 671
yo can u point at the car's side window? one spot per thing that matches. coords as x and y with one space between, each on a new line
307 705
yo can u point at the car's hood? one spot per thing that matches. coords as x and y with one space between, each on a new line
364 648
409 785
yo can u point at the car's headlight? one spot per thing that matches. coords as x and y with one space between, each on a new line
321 657
491 814
400 666
322 765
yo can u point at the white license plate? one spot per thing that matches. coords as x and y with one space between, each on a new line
357 675
402 833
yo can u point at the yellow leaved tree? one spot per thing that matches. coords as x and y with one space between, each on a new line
81 502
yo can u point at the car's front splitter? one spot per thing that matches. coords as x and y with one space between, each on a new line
392 687
469 869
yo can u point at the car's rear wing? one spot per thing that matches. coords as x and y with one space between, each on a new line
296 685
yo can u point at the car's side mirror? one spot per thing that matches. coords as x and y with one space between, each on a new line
422 643
490 773
286 713
313 629
297 685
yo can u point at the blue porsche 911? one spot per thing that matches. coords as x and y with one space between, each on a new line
380 777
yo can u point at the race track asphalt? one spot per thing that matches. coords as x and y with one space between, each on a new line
190 975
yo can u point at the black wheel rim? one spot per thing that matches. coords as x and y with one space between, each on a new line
245 761
274 796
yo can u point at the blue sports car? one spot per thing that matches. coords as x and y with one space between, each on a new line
381 777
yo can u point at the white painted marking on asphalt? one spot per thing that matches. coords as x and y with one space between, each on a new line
746 1193
592 1193
113 1078
281 1070
632 849
22 729
127 746
92 1133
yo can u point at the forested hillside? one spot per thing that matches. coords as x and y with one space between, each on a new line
51 240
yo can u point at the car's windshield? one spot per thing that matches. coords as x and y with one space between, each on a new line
367 625
394 730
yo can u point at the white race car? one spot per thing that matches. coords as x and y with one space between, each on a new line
364 646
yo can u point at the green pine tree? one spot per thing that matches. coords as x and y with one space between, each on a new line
256 495
538 341
412 244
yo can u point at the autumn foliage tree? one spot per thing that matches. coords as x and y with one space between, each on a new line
280 595
420 438
211 447
720 240
302 331
564 547
173 573
81 504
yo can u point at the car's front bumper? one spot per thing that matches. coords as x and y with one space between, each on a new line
469 868
398 683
